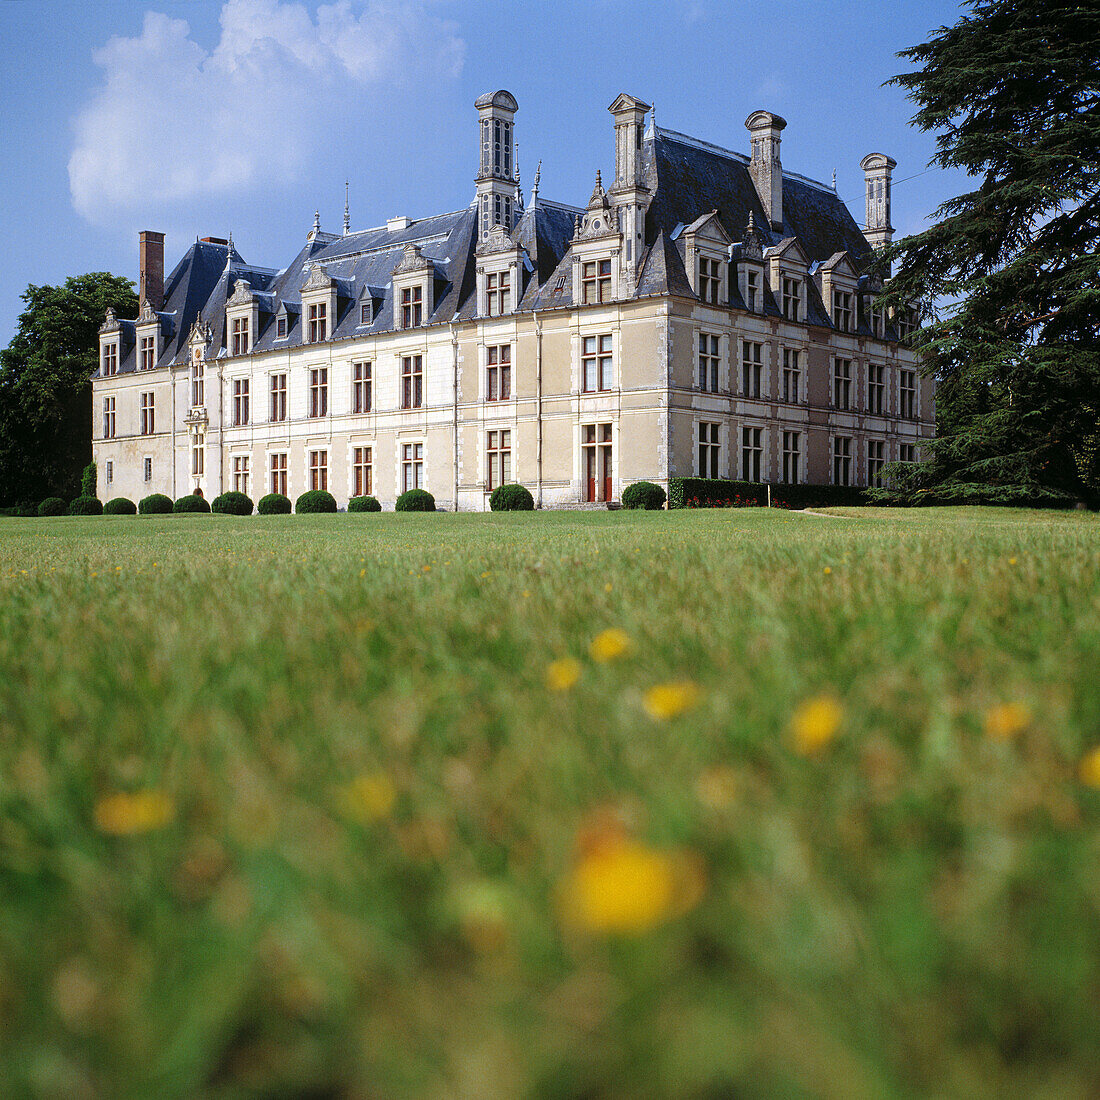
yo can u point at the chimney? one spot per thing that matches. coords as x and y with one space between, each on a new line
765 167
876 174
151 286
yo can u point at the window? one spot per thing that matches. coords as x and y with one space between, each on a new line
362 472
318 470
240 401
198 456
278 397
907 452
596 363
752 369
499 380
148 352
842 384
499 452
877 321
597 456
792 375
752 454
240 336
280 328
361 387
366 312
278 474
842 460
412 382
753 299
710 282
708 449
708 363
110 359
318 392
792 453
876 388
240 474
318 322
875 461
842 310
412 307
792 295
907 394
198 384
412 466
110 472
498 288
147 469
108 418
905 320
596 281
147 427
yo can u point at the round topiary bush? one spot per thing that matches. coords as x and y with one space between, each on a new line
120 506
191 503
232 504
274 504
511 498
86 506
316 500
364 504
52 506
644 494
156 504
415 500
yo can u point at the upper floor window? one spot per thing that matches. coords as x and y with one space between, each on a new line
108 418
366 312
412 383
754 300
792 298
499 454
240 401
318 391
709 449
595 281
498 382
318 322
148 352
412 306
842 460
842 310
907 394
792 375
875 461
596 363
842 384
877 321
110 359
198 456
240 335
278 397
752 368
752 454
710 280
498 290
198 383
147 426
792 457
905 320
907 452
876 388
318 470
280 328
361 388
708 362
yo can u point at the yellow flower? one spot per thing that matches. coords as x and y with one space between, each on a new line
1007 720
815 723
1089 769
827 570
425 569
663 701
609 644
1011 561
562 674
126 813
368 797
607 587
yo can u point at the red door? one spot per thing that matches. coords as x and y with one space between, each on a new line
605 460
590 473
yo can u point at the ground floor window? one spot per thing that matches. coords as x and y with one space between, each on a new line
708 449
318 470
597 462
362 472
147 469
499 452
907 452
752 453
875 461
240 474
842 460
792 454
278 474
412 466
198 457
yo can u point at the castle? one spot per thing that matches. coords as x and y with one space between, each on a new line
708 314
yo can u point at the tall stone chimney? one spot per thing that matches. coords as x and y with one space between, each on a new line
876 174
151 285
765 167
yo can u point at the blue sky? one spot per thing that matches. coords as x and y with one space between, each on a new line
197 118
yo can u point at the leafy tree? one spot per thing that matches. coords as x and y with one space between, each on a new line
45 387
1008 274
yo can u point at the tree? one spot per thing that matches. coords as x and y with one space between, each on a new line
45 384
1008 274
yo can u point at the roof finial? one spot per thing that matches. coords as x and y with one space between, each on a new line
535 185
316 222
517 162
653 111
347 211
834 179
229 251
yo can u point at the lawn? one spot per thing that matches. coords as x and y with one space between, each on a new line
570 805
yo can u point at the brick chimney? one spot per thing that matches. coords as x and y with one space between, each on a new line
151 285
765 166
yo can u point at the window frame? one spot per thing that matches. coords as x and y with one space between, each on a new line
498 372
498 458
842 383
278 397
752 369
599 359
412 381
278 472
318 469
318 393
147 420
362 387
708 442
752 453
241 402
362 471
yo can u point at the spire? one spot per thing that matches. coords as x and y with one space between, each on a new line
535 185
229 252
519 190
347 211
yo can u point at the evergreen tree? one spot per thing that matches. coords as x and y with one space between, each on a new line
1013 91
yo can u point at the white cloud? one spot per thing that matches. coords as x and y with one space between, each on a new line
174 122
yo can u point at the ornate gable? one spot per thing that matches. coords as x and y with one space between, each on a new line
498 240
413 261
599 219
242 294
110 323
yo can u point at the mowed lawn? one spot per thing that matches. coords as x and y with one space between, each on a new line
371 806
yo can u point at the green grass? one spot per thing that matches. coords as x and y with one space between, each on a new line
912 912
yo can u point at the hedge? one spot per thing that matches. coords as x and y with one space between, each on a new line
232 504
316 500
364 504
120 506
274 504
511 498
156 504
701 492
191 503
52 506
86 506
415 500
17 510
644 494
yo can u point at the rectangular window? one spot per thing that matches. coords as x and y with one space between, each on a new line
792 375
710 282
198 457
876 388
108 418
280 328
109 472
907 394
362 472
877 319
110 359
147 469
240 335
708 363
597 457
842 310
708 449
318 322
875 461
198 383
842 460
498 384
596 363
753 299
278 397
499 453
318 470
752 454
792 454
361 395
147 425
842 384
412 382
278 474
366 312
498 288
318 392
596 281
148 352
240 474
412 307
240 401
907 452
412 466
752 368
792 295
905 321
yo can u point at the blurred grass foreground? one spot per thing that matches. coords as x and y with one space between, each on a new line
696 804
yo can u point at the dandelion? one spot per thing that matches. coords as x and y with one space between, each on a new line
827 570
369 797
426 569
362 572
664 701
485 574
608 645
128 813
1011 561
1007 720
562 674
607 587
1089 768
815 723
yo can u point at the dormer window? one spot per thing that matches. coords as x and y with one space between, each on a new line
366 312
842 310
877 322
148 353
596 282
240 336
110 359
905 321
792 298
498 293
412 307
318 322
710 280
754 300
280 328
198 382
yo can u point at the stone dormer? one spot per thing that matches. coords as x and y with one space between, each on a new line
148 337
705 248
596 247
110 344
751 276
413 289
318 306
838 279
500 270
787 269
242 319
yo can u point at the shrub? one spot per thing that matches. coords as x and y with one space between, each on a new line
364 504
702 492
191 503
274 504
415 500
52 506
86 506
511 498
17 510
644 494
87 480
232 504
120 506
156 504
316 500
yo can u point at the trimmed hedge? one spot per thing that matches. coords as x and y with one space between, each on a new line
274 504
191 503
52 506
120 506
415 500
232 504
16 510
511 498
702 492
156 504
86 506
316 500
644 494
364 504
88 481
